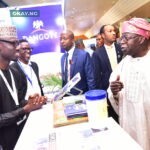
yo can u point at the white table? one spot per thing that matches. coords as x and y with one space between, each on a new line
39 125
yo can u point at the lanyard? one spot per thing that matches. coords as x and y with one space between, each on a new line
28 78
13 90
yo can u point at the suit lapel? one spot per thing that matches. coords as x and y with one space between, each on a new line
34 69
106 59
118 53
73 62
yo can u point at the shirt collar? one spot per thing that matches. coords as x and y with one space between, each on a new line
23 64
110 46
70 52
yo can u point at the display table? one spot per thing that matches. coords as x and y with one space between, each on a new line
39 134
38 125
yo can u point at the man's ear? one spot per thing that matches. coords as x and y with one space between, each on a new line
103 35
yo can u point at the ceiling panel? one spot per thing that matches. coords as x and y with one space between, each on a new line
120 10
82 14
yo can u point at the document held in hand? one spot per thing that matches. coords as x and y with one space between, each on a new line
68 87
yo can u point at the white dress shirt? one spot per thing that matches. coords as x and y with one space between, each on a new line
70 52
111 52
32 81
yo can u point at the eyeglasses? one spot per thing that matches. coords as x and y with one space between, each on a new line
127 37
14 43
26 49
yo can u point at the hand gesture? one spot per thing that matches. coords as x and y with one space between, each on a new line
116 86
35 102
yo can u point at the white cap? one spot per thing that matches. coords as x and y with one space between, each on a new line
8 31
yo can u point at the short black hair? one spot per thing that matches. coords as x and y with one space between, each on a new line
102 29
23 40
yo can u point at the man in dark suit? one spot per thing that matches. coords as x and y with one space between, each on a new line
28 70
78 61
105 59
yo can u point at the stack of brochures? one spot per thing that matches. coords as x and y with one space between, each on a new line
75 110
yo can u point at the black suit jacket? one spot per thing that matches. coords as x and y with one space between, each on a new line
35 68
102 66
10 113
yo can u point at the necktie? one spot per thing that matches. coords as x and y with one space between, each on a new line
66 68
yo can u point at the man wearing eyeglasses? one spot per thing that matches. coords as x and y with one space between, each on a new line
28 70
129 90
13 107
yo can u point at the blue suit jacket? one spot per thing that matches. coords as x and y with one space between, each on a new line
81 62
102 66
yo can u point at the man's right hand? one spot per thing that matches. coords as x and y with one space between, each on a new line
116 86
34 102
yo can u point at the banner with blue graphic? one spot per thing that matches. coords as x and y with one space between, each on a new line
42 30
41 26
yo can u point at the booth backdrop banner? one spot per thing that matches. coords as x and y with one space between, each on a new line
43 33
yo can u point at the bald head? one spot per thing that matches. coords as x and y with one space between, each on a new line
69 33
66 40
